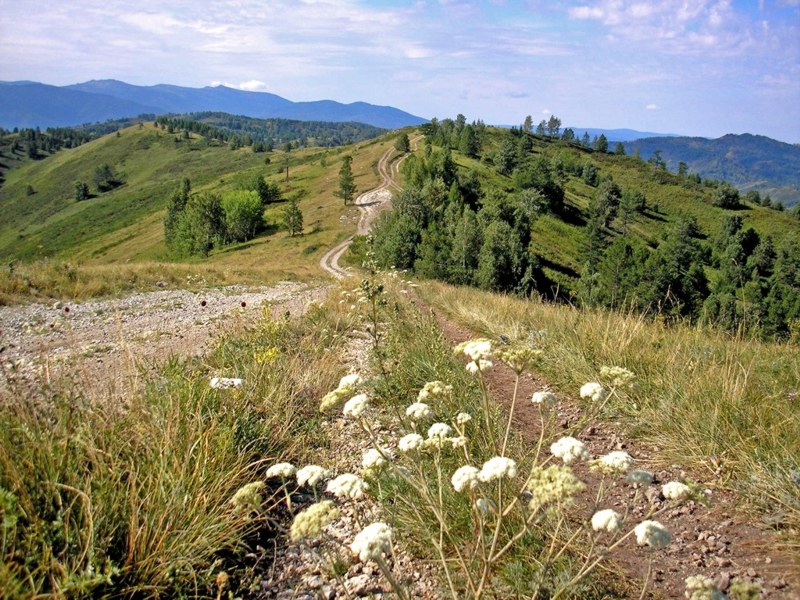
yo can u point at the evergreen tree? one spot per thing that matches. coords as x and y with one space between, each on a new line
601 144
403 144
81 191
293 218
347 185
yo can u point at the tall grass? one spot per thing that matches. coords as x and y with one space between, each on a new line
727 407
133 498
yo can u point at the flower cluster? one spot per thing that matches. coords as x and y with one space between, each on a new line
700 587
593 391
653 534
248 497
463 418
475 350
311 521
433 390
224 383
356 406
498 468
543 399
675 490
347 385
374 459
311 475
347 486
410 442
418 411
479 366
606 520
465 478
519 358
618 376
617 462
282 470
439 431
569 450
553 484
374 542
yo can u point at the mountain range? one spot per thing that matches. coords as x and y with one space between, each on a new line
32 104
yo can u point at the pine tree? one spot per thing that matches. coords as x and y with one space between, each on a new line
347 186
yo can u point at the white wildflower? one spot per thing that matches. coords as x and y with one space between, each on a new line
433 390
418 411
347 486
463 418
356 406
617 375
700 587
544 398
606 520
553 484
593 391
248 497
373 459
311 521
569 450
284 470
458 442
653 534
374 542
439 431
675 490
481 365
311 475
640 477
475 349
465 478
410 442
350 381
497 468
617 462
224 383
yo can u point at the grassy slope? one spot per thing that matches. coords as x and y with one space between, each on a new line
119 235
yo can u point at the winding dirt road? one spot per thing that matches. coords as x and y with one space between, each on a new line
370 203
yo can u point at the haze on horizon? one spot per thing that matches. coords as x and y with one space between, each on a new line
692 67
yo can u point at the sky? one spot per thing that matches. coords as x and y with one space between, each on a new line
690 67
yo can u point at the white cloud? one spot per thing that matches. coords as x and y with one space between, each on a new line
651 106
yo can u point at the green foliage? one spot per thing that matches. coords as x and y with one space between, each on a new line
81 191
347 186
293 218
105 178
244 215
402 143
200 227
726 197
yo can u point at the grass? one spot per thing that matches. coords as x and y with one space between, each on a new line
133 497
724 406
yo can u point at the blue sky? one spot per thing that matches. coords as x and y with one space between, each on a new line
695 67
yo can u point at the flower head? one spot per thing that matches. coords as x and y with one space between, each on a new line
653 534
463 418
465 478
351 381
569 450
374 459
356 406
439 431
700 587
617 462
553 484
606 520
497 468
617 375
433 390
418 411
543 398
374 542
347 485
224 383
519 358
480 365
475 349
675 490
284 470
311 521
311 475
410 442
458 442
248 497
593 391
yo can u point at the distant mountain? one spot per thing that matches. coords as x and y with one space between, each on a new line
618 135
29 104
750 162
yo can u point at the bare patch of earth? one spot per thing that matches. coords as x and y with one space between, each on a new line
106 345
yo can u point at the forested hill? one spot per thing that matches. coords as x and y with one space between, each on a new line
517 212
750 162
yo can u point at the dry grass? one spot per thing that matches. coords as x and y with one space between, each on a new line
725 406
